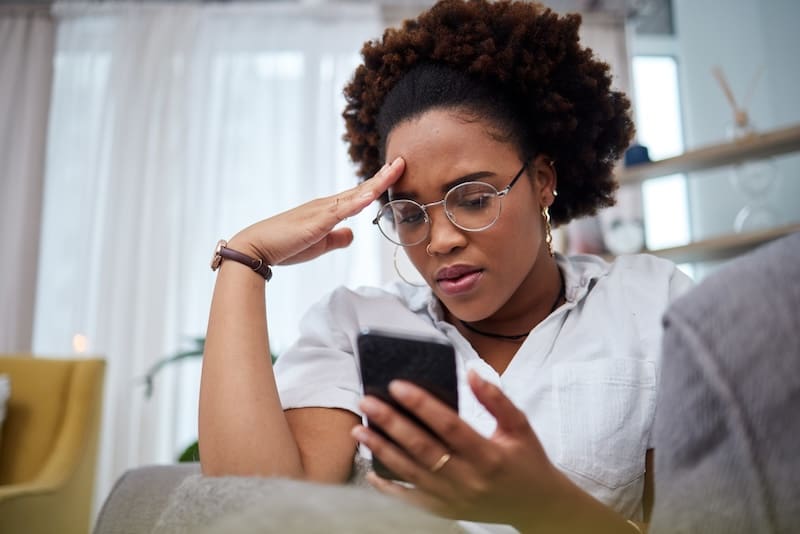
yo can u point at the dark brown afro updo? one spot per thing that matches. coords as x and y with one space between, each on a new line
516 64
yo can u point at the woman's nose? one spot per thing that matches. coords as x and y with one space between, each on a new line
444 235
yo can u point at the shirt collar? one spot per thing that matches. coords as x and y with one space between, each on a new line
580 273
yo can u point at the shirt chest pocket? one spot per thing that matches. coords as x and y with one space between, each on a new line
605 411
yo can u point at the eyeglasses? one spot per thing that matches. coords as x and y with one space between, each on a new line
471 206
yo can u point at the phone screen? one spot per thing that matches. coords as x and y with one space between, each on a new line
429 363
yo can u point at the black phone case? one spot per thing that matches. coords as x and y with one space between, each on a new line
428 363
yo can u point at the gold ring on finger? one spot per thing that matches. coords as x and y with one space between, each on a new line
440 463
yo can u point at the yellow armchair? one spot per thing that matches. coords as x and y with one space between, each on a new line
48 447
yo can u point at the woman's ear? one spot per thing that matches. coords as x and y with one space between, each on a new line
545 179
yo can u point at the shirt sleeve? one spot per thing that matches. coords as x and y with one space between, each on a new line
320 369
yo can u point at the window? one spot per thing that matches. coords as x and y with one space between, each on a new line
658 124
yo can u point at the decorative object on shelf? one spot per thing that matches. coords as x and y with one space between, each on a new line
753 180
761 145
741 125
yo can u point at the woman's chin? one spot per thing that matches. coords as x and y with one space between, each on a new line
467 310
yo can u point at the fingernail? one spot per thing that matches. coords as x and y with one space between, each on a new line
476 377
399 389
359 433
395 160
366 194
375 480
368 405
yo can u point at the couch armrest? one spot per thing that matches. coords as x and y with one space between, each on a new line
139 497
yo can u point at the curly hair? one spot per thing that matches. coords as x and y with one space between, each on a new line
517 64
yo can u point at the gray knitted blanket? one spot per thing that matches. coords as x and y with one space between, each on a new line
205 505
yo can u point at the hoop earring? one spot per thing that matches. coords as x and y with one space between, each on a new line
397 270
428 250
548 235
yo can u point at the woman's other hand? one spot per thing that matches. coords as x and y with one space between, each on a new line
308 231
506 478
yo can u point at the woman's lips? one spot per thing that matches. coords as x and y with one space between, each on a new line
458 279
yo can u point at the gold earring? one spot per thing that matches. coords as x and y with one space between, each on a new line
548 235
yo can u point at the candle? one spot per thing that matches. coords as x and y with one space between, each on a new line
80 343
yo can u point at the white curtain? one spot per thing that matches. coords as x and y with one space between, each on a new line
26 65
173 126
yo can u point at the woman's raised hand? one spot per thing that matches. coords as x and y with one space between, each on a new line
506 478
307 231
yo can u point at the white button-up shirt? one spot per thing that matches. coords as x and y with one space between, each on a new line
586 376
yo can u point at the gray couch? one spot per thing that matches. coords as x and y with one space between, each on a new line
176 499
139 497
727 425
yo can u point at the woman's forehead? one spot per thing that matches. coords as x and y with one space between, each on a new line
443 138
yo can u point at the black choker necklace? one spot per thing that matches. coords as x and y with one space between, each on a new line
517 336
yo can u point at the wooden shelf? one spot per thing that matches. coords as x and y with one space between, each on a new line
753 147
723 247
757 146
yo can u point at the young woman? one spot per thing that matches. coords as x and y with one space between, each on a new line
477 125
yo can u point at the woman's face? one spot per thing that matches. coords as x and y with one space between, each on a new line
476 275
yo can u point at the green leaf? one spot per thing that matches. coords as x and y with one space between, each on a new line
190 454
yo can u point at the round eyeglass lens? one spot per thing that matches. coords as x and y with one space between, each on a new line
473 205
403 222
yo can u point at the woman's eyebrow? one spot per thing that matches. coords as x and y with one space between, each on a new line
471 177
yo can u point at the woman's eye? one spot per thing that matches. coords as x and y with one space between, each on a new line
411 218
475 202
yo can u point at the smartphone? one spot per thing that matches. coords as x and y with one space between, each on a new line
427 362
